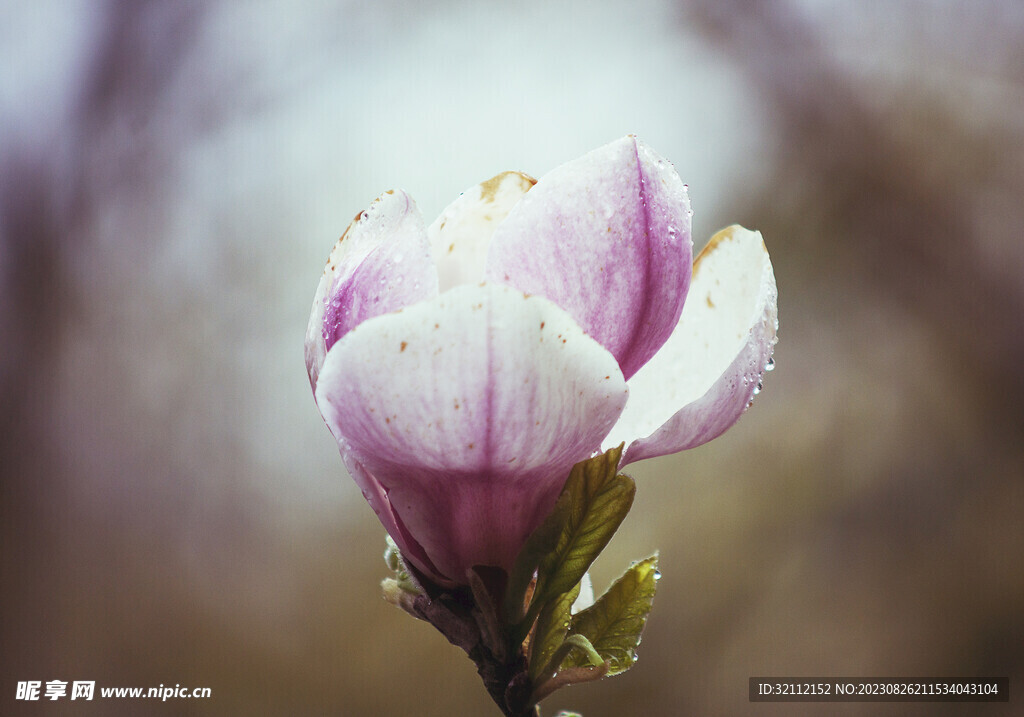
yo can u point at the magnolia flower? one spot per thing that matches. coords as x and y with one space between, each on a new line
465 367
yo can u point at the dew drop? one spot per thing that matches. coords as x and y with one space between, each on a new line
383 281
758 387
657 575
770 366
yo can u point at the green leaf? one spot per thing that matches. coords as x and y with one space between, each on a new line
542 541
615 622
598 502
592 505
552 625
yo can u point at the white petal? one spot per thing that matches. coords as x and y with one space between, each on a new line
460 236
708 371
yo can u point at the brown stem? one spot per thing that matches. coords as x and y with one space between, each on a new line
504 670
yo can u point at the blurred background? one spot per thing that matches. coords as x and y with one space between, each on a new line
173 175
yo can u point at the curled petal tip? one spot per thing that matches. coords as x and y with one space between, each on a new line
380 264
705 376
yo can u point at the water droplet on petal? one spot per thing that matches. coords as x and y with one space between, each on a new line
770 366
657 575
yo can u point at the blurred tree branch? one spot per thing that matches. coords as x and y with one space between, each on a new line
49 193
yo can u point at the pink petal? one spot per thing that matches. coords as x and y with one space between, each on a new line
380 264
460 236
607 238
708 371
469 410
376 496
